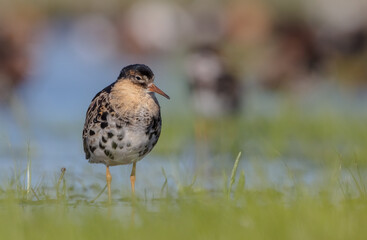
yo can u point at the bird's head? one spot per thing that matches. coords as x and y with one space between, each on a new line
141 75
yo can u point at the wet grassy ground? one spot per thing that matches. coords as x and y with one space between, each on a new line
295 212
302 175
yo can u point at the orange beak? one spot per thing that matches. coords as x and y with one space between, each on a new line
154 88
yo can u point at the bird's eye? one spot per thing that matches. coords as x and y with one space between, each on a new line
138 78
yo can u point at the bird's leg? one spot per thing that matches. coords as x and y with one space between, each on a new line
108 179
132 178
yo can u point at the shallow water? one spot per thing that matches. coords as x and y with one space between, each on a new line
48 114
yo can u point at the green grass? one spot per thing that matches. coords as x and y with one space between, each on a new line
234 212
199 219
292 133
200 214
333 207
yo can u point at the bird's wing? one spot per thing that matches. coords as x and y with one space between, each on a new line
95 116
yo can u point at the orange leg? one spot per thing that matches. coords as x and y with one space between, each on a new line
108 179
132 178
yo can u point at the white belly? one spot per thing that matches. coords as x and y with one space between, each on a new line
132 148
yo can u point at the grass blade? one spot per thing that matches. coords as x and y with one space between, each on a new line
165 181
233 174
99 194
29 178
61 178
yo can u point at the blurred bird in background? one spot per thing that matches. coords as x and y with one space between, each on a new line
216 93
293 58
16 28
152 27
14 59
215 90
346 53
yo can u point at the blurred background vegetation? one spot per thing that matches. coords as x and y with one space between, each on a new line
284 81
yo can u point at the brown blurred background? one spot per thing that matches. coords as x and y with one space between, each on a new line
278 45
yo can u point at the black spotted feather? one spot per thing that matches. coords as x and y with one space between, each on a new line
113 137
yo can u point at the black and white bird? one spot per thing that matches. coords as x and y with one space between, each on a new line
123 121
215 90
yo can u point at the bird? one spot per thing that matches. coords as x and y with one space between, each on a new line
123 122
14 57
214 88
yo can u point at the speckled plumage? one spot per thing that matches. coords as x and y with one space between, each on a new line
123 121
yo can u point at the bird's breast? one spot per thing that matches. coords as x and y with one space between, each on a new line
129 134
